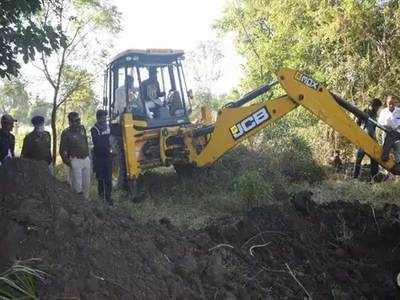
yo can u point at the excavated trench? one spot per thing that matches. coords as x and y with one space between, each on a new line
291 250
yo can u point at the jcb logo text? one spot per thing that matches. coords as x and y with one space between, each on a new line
249 123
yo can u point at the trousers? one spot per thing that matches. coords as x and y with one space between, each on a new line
392 141
80 175
103 170
374 167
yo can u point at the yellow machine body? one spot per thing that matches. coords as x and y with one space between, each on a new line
193 144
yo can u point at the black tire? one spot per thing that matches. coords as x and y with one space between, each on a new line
119 165
185 170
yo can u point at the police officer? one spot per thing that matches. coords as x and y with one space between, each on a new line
74 151
7 139
37 144
102 156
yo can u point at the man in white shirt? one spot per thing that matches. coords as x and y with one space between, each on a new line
120 96
389 117
388 112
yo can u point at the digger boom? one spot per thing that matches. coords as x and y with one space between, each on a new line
236 122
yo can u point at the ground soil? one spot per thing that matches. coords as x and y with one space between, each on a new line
291 250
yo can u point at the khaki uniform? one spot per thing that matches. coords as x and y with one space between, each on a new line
37 146
74 151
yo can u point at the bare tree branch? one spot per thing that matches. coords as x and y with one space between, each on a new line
72 90
46 71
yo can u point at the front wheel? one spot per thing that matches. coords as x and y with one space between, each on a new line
185 170
119 166
133 189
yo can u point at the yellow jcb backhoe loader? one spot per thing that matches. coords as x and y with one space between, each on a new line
150 123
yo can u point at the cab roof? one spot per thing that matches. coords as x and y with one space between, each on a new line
147 57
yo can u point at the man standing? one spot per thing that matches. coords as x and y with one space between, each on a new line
102 156
74 151
388 111
37 144
7 139
370 128
390 119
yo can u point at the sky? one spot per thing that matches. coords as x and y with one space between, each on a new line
172 24
177 24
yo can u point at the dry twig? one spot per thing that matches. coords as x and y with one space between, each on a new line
376 223
298 282
258 234
257 246
219 246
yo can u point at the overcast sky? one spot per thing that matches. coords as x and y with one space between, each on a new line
176 24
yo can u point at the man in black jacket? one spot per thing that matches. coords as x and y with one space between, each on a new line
7 139
370 128
102 155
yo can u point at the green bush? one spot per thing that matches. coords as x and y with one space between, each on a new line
252 187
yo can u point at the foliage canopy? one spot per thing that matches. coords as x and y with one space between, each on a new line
22 34
351 46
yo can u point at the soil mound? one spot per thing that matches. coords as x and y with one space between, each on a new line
287 251
338 250
88 251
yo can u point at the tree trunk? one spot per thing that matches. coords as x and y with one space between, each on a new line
54 130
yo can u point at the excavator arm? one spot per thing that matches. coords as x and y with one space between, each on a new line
236 123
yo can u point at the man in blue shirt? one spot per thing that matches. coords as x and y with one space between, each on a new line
370 128
102 155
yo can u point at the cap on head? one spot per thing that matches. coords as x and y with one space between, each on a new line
101 113
72 116
7 119
37 120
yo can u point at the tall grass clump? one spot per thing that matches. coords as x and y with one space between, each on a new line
20 282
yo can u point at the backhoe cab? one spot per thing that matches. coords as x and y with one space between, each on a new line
151 85
149 105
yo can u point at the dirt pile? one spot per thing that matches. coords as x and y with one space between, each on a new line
282 251
88 251
338 250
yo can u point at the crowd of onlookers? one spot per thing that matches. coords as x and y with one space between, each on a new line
74 150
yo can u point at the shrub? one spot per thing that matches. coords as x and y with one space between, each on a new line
253 187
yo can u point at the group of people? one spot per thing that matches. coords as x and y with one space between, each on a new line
74 146
74 150
389 118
